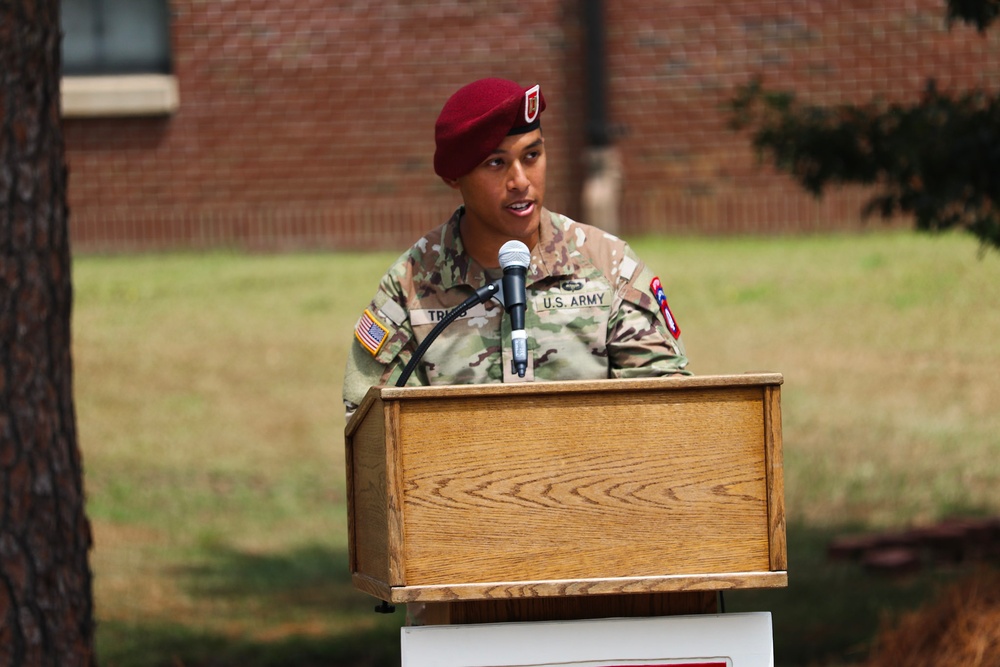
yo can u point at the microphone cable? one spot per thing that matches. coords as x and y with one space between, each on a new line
481 295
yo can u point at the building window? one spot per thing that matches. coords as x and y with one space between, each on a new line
115 37
116 58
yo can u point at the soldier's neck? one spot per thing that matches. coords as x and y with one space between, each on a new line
483 245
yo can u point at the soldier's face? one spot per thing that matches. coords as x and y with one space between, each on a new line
504 194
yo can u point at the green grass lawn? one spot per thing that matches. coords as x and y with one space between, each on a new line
208 401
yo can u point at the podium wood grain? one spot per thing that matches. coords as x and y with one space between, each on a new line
567 489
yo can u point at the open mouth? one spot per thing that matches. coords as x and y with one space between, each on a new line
521 207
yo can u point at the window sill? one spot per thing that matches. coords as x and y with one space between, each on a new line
131 95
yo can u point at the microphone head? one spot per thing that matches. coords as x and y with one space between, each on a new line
514 253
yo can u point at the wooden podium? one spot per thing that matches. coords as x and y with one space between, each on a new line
555 500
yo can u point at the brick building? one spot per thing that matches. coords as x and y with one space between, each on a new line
309 123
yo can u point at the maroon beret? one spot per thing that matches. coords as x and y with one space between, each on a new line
475 120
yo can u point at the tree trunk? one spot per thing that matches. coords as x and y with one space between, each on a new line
46 599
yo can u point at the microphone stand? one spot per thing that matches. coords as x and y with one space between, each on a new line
482 295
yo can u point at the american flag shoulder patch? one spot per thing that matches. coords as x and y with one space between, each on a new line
371 333
656 287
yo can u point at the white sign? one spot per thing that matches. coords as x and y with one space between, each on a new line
708 640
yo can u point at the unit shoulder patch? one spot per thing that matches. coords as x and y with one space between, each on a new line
661 298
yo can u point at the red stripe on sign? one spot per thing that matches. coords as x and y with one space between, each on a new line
713 663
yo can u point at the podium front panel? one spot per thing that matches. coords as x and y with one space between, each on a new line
567 488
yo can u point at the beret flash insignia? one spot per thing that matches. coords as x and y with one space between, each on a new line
531 104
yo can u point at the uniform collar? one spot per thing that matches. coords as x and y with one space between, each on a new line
551 257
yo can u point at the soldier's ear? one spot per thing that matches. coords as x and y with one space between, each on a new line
450 182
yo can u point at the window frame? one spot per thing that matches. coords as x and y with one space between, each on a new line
125 93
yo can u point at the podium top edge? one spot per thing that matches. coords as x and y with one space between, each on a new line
667 382
677 382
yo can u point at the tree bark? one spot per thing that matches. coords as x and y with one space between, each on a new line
46 599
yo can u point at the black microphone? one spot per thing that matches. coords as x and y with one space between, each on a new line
514 260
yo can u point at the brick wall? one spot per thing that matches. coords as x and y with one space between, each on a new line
674 65
305 123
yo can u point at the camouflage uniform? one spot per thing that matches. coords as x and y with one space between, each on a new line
590 314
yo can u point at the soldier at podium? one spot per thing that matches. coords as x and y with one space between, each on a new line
593 308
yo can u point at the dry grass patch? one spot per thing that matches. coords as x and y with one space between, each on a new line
961 628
